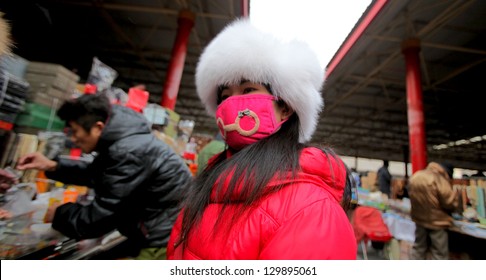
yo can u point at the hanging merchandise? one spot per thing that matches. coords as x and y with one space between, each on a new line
101 75
115 95
13 91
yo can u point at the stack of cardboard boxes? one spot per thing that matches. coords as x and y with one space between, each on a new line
50 84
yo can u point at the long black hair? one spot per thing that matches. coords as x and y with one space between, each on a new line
253 167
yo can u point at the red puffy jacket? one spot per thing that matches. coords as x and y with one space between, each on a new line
303 220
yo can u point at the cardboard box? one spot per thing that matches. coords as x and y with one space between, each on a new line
40 80
51 69
45 99
51 91
369 181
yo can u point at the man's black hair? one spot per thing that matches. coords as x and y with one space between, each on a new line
86 110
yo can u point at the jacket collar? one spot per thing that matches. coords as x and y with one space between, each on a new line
316 168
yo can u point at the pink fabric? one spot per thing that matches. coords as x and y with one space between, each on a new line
303 220
245 119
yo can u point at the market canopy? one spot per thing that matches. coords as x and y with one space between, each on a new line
365 91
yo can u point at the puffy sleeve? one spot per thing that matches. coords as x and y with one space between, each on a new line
120 178
71 172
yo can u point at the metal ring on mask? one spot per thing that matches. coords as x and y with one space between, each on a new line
236 125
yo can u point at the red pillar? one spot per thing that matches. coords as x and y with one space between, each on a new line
176 65
415 108
245 8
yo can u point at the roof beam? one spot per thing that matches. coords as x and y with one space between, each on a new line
458 71
430 45
142 9
119 31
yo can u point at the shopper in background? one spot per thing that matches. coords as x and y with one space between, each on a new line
354 189
138 180
211 149
433 200
269 195
384 179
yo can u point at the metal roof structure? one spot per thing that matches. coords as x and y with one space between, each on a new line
365 92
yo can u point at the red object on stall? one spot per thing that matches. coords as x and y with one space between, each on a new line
90 89
193 168
189 156
137 99
75 153
6 125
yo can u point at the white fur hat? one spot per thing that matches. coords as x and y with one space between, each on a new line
291 68
5 39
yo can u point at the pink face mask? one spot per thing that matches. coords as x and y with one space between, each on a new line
245 119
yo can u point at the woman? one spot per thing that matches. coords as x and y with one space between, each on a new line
268 196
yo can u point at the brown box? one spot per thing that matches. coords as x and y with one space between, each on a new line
61 82
51 69
51 91
369 181
45 99
372 176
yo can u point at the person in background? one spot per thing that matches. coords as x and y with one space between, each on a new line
211 149
384 179
354 189
433 200
269 195
138 180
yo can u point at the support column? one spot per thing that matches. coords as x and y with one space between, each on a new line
245 8
176 65
406 158
415 108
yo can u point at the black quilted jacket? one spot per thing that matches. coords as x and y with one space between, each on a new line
138 182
